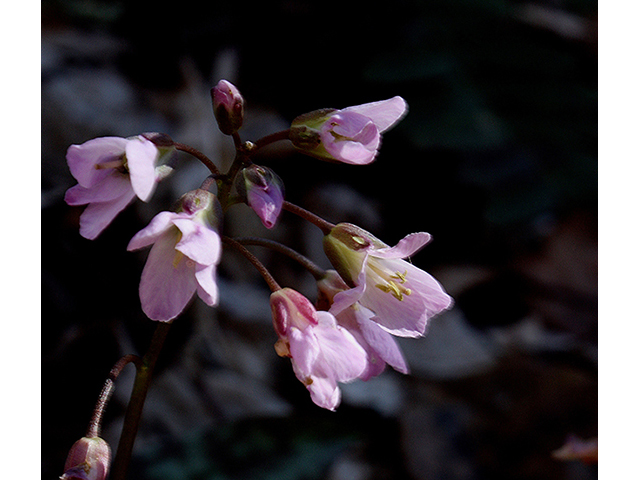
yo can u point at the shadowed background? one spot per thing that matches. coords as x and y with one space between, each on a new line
496 159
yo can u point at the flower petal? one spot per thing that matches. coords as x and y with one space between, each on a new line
341 356
199 242
141 158
82 159
97 216
168 282
406 247
384 113
304 349
109 188
324 393
382 343
207 286
148 235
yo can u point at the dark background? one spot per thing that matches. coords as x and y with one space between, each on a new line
497 159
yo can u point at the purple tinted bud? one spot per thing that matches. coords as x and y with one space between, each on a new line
228 107
88 459
264 192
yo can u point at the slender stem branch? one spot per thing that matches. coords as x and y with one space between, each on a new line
225 183
321 223
273 285
107 390
317 271
136 403
200 156
274 137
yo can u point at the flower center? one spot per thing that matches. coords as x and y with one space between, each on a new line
120 164
392 284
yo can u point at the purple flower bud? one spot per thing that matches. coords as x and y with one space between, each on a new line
88 459
228 107
351 135
264 192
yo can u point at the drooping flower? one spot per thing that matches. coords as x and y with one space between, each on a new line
111 172
228 107
264 192
380 346
402 296
322 352
186 250
88 459
351 135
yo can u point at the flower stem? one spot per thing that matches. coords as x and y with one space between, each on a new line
136 403
107 390
321 223
274 137
317 272
273 285
200 156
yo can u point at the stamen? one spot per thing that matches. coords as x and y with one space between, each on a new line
112 164
400 276
282 348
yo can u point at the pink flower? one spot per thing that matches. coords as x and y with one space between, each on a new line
111 172
350 135
264 192
186 250
380 346
88 459
322 352
228 107
402 296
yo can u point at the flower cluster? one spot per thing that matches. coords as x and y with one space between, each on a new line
373 294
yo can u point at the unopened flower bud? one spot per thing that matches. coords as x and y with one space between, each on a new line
89 459
203 205
228 107
291 308
263 191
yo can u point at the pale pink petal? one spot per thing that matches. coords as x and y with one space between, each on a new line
346 298
111 187
384 113
382 343
198 242
341 356
207 286
348 151
324 393
407 317
141 160
97 216
168 281
305 349
82 159
406 247
158 225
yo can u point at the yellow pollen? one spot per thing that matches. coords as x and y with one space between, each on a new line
359 240
394 288
400 276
